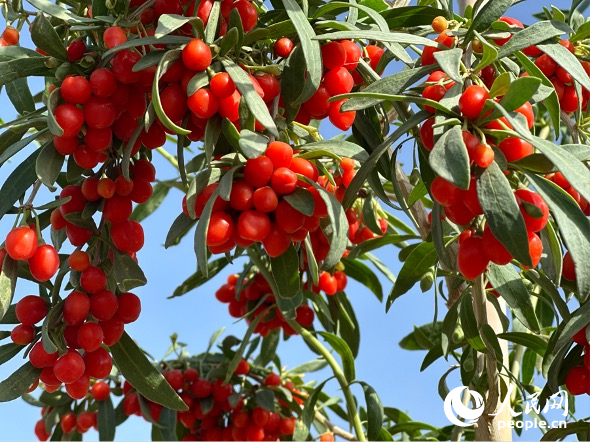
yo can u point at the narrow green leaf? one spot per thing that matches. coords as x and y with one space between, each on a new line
252 144
179 228
238 356
167 423
469 323
310 47
301 200
8 278
342 348
306 418
502 213
20 96
574 227
49 164
106 420
508 283
197 279
60 12
128 275
449 62
564 58
450 160
285 270
390 37
9 351
535 343
18 382
45 37
375 412
253 100
139 371
486 15
422 258
532 35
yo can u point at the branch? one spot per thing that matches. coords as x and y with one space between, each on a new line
338 374
334 428
571 126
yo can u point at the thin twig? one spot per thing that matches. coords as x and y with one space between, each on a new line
334 428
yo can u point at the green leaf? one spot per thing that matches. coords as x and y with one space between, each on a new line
342 348
44 36
167 422
489 55
335 147
306 418
212 22
571 168
200 243
310 47
99 8
532 35
551 102
564 58
486 15
301 200
197 279
8 278
390 37
106 420
265 398
164 64
253 100
60 12
410 16
49 164
252 144
535 343
229 41
521 90
469 323
422 338
18 62
408 427
374 411
20 96
285 269
128 275
450 160
18 382
168 23
559 433
293 82
371 162
492 344
338 238
268 349
501 85
9 351
179 228
502 213
142 211
17 183
52 103
574 227
449 62
422 258
508 283
139 371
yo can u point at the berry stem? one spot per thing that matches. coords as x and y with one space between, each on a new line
338 373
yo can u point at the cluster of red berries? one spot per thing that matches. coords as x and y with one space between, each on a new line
87 322
340 60
22 244
258 209
250 296
577 380
216 410
80 421
462 206
114 197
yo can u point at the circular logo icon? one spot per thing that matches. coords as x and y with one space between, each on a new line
454 406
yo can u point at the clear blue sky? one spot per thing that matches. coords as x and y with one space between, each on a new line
393 372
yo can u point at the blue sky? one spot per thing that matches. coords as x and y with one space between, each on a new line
393 372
